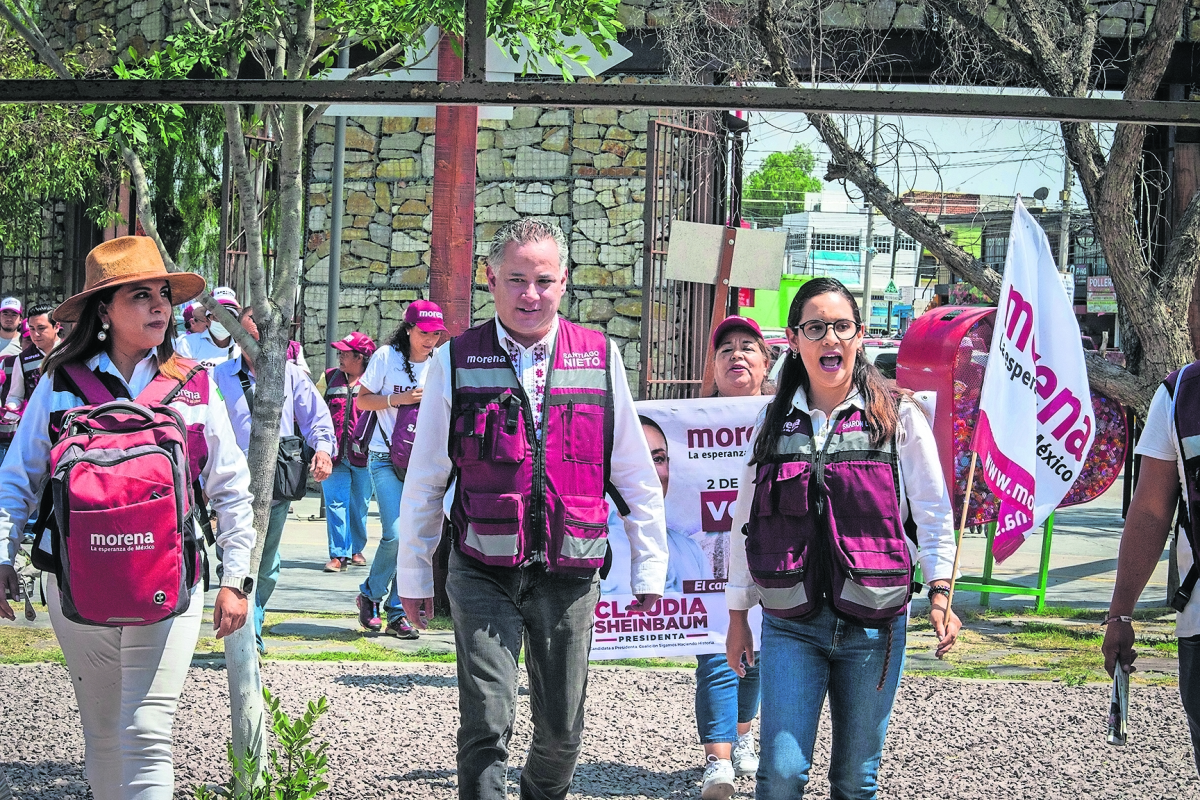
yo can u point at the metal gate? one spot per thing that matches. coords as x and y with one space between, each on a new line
692 174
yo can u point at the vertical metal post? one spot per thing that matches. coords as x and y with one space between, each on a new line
866 284
989 561
336 210
1064 220
895 247
1044 566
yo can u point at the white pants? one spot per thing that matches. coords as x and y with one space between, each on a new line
127 682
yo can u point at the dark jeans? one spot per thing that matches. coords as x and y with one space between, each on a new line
495 611
1189 689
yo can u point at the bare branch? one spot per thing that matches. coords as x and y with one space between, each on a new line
1002 43
362 71
36 40
1150 62
1106 378
145 212
196 19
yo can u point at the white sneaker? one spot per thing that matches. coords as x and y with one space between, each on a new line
718 779
745 757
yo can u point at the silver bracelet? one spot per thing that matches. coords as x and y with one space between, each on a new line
1120 618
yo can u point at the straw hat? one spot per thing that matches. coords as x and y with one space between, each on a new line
127 259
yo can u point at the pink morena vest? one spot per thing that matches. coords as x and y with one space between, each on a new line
524 492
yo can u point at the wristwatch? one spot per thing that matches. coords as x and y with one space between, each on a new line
245 584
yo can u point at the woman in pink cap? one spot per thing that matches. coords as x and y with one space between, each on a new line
391 387
348 488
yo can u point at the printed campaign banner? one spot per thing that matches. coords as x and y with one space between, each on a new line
1036 421
706 442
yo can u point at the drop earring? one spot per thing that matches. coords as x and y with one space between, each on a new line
102 334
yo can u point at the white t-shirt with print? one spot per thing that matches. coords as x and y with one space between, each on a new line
1159 441
386 375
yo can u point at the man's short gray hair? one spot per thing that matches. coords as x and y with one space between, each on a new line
524 231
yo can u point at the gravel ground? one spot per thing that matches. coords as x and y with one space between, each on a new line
393 726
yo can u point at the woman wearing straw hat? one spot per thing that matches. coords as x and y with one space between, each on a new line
127 680
841 459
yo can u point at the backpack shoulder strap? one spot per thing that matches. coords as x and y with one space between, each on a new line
163 390
91 389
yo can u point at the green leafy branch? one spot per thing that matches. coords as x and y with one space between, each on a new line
297 768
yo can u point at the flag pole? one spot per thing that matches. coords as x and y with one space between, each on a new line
962 529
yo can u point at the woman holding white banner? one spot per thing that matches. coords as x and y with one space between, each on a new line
726 702
841 459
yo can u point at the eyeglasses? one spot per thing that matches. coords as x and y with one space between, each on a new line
814 330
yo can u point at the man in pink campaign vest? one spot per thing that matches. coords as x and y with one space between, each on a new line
531 417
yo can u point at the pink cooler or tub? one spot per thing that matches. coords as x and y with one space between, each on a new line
946 351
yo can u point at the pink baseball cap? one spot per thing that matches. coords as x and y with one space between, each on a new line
731 322
426 315
10 304
357 343
226 297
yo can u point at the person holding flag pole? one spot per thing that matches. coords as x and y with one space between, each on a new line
1036 424
840 460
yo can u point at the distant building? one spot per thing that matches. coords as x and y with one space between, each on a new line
829 238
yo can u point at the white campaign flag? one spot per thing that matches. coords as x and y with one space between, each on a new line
1036 424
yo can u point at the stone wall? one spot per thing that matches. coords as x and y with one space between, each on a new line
584 170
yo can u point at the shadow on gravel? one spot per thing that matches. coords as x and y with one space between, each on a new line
397 684
46 780
611 778
428 775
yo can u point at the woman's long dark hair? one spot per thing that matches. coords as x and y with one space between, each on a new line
400 341
880 397
81 343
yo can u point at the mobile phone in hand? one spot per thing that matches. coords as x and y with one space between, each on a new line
1118 710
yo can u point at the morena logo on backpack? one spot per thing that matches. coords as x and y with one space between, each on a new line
117 542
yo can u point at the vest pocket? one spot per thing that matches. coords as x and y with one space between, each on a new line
494 523
583 438
506 434
584 534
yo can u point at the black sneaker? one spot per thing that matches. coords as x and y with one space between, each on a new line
401 629
368 613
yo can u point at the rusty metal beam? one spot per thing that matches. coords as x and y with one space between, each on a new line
653 96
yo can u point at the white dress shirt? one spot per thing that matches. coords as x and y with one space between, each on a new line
225 477
631 471
921 485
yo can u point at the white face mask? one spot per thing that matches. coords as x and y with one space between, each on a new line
218 330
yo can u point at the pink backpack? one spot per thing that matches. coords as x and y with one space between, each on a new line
123 505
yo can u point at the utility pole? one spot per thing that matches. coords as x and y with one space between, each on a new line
1064 220
895 247
866 302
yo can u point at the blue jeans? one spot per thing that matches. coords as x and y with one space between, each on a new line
268 568
723 699
859 669
381 582
347 492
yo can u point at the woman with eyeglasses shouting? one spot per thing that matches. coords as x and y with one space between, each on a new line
841 460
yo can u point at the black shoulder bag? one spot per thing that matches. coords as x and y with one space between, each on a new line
291 464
